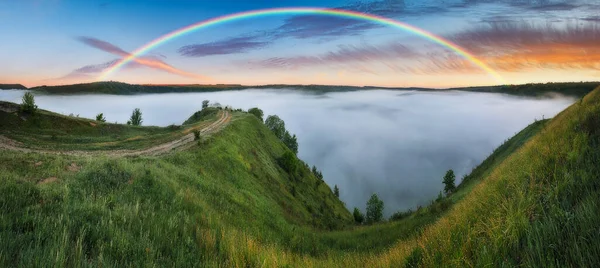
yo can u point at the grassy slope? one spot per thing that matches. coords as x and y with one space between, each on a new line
161 210
535 206
50 130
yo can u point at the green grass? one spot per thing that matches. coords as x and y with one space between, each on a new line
48 130
228 202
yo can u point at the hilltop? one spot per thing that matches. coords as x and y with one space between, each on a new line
12 86
229 200
576 89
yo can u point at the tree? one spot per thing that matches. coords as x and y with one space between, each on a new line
358 216
28 103
136 118
276 125
205 103
449 186
291 141
374 209
336 191
100 117
196 135
256 112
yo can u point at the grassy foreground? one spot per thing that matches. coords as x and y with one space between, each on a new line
227 202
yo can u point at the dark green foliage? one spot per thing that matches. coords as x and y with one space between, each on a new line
12 86
317 174
275 124
359 218
400 215
136 118
374 209
291 141
289 162
28 103
205 104
448 181
100 117
257 112
336 191
196 135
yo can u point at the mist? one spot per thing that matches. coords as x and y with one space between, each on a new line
397 144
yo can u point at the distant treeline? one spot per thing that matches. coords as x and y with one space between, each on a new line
12 86
575 89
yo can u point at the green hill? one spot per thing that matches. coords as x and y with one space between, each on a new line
228 201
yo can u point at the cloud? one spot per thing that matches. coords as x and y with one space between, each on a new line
228 46
517 46
151 62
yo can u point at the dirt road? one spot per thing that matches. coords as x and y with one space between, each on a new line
181 143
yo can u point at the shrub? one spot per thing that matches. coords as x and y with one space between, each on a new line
374 209
400 215
136 118
358 216
449 182
257 112
100 117
289 162
196 135
28 103
336 191
205 103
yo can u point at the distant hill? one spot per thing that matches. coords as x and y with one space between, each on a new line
574 89
12 86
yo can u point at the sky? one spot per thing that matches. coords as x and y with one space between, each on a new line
52 42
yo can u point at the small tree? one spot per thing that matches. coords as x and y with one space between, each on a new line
100 117
196 135
28 103
449 186
336 191
256 112
205 103
291 141
358 216
136 118
275 124
374 209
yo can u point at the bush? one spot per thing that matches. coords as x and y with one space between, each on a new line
289 162
358 216
257 112
205 103
28 103
100 117
136 118
336 191
196 135
374 209
400 215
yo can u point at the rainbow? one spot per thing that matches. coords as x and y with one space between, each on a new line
299 11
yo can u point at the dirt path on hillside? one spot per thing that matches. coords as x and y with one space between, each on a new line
178 144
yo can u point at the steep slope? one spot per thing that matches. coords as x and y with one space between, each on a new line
177 209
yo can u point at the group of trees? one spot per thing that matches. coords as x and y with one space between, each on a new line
277 126
375 205
374 211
